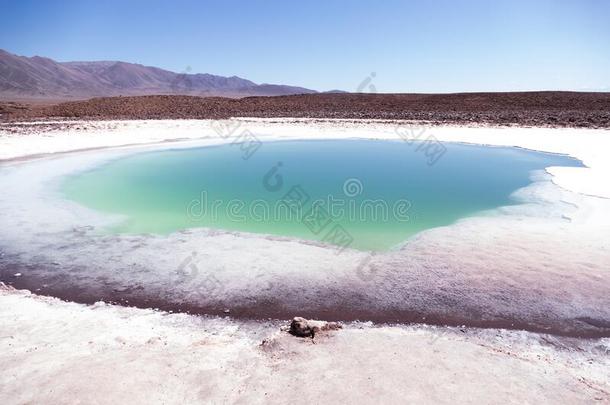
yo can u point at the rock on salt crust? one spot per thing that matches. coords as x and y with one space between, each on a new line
57 352
53 352
541 265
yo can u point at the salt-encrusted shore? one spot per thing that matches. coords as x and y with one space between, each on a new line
64 349
56 352
588 145
539 266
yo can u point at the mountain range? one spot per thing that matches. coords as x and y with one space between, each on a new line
38 77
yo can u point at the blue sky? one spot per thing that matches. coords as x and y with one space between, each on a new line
411 46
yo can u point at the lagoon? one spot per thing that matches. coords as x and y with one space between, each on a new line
363 194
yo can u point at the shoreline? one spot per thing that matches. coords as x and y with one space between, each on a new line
273 312
141 356
16 148
144 355
154 135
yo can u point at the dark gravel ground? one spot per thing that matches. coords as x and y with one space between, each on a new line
556 109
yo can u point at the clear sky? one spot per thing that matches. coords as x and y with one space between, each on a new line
410 46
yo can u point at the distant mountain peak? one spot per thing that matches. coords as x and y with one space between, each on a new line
41 77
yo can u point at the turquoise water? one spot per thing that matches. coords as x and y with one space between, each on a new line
365 194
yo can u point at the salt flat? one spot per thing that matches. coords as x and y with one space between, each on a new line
541 265
110 354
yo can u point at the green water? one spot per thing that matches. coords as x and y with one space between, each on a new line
370 195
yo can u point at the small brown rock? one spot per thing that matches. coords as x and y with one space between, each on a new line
302 327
